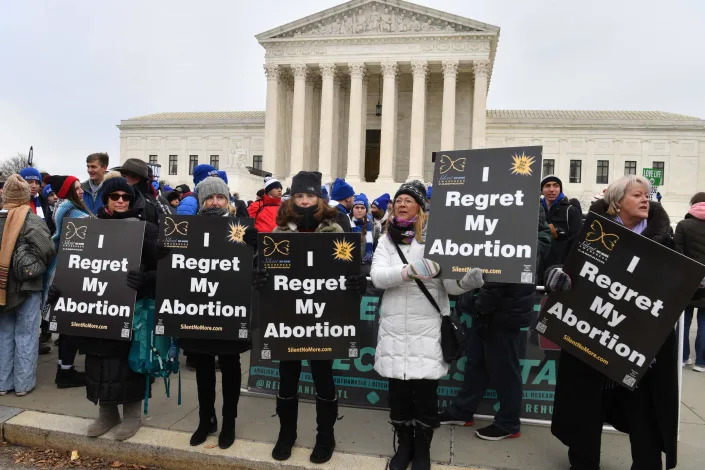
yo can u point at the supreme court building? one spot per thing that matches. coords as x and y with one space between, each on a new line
367 90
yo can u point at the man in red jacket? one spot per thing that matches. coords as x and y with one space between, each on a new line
264 211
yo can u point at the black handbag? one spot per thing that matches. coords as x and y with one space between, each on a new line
452 332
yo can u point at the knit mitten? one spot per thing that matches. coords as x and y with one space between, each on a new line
423 269
557 280
472 280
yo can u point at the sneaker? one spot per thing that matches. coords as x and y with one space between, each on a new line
699 368
446 418
687 362
23 394
493 433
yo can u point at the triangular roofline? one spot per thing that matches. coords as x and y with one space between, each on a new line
347 6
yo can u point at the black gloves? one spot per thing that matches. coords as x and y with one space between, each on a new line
138 279
260 277
53 294
356 282
250 237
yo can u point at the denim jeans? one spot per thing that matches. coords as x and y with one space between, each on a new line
699 337
19 345
492 360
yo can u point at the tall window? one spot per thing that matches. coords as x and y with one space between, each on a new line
576 169
549 166
153 159
192 163
660 166
173 164
603 170
257 161
630 168
215 161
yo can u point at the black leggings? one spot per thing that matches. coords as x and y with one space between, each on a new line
322 372
205 381
67 349
414 400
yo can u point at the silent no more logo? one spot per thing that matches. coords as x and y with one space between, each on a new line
276 254
598 244
75 236
343 250
449 169
175 233
236 233
522 164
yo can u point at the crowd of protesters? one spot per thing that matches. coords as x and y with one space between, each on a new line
392 232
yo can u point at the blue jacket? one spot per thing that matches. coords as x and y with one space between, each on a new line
188 205
92 201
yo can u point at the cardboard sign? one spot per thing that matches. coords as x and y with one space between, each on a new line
305 311
627 294
485 213
91 275
204 284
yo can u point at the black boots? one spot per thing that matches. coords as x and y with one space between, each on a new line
422 447
67 378
404 453
207 424
326 416
288 411
227 433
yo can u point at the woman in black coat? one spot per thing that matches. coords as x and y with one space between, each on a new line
585 398
109 380
213 199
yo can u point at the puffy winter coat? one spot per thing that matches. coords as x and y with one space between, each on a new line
567 221
690 240
188 205
264 212
409 340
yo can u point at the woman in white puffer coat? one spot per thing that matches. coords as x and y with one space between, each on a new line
409 342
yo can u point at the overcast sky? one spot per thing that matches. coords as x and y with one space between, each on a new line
71 70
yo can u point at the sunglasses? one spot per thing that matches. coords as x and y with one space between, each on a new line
116 196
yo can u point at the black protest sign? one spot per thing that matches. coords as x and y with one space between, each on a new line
305 311
485 213
627 294
91 275
204 284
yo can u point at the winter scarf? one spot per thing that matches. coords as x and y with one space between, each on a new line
214 212
36 205
639 228
307 222
400 230
15 220
697 210
357 226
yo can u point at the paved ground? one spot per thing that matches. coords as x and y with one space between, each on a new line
367 431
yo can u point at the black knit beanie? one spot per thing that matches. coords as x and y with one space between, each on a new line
112 185
415 189
307 182
551 178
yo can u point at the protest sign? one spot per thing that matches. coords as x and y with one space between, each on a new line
485 213
305 311
358 384
91 272
627 294
204 284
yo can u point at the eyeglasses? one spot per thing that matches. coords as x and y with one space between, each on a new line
116 197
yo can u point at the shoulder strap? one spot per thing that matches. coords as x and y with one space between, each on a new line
420 283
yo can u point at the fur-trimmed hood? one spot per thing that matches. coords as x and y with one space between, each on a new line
658 226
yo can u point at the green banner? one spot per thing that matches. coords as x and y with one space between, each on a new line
655 175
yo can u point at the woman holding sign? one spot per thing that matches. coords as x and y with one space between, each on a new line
109 380
214 201
585 398
409 343
306 211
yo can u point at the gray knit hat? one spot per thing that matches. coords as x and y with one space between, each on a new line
210 186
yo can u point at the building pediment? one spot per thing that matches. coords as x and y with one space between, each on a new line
365 18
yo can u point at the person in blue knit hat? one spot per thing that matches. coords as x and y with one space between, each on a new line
344 195
379 210
361 222
429 192
189 204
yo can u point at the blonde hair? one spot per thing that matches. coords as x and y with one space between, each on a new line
615 192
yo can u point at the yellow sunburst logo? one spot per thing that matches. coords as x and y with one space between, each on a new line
343 250
522 164
236 233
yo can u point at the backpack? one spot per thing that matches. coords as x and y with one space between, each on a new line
152 355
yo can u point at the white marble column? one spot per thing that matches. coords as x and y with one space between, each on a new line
363 132
357 71
480 69
325 142
417 142
389 123
450 74
308 123
298 119
271 122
